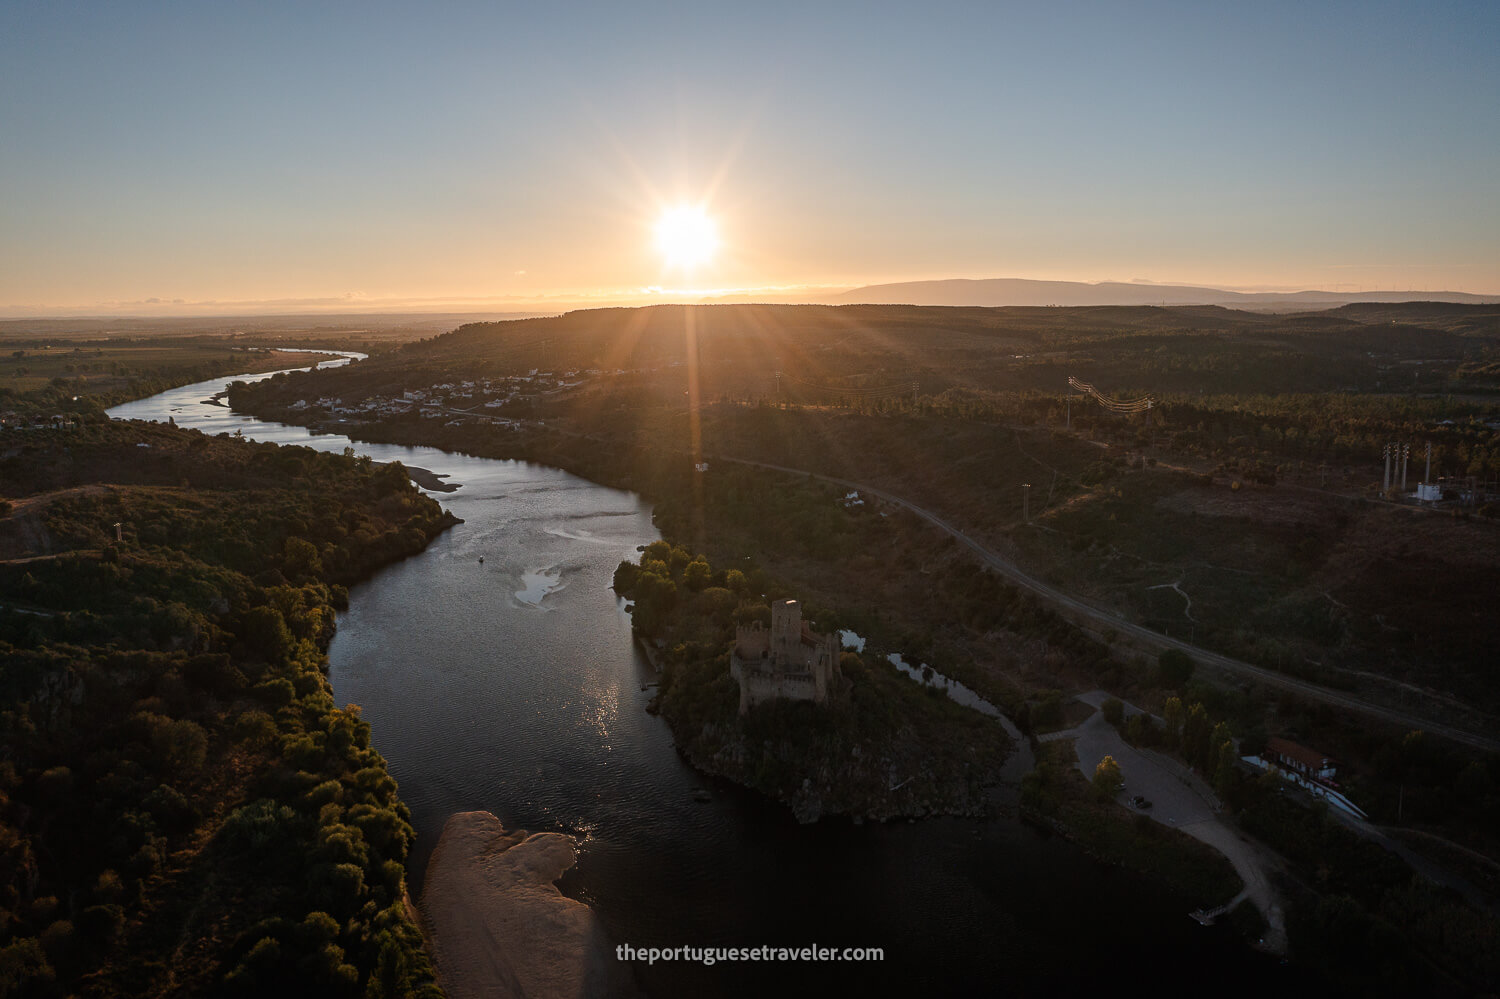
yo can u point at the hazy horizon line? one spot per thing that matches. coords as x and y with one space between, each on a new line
558 302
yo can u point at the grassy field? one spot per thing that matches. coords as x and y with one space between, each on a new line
365 333
108 368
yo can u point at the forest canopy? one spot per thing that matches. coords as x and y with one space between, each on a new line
183 807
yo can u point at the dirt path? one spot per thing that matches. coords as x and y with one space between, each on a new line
27 504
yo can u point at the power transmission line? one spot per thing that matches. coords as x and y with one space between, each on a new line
1127 406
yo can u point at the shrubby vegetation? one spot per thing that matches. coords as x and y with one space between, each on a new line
183 807
1057 794
1205 744
1361 916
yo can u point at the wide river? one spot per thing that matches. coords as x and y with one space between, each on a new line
513 686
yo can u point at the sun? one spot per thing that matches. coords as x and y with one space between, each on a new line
686 236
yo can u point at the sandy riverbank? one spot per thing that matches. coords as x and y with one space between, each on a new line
497 924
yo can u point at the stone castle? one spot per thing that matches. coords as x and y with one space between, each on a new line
789 660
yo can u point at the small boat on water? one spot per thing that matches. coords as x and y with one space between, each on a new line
481 560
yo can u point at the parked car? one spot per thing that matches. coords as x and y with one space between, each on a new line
1139 802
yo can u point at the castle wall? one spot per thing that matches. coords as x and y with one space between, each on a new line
758 688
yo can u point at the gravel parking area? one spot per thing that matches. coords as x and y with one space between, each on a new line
1180 799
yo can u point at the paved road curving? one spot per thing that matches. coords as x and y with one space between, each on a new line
1112 619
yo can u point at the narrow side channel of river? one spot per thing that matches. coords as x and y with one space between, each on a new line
512 686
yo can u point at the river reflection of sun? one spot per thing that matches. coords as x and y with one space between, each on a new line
603 715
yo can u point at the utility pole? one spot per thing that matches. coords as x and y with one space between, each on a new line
1387 487
778 383
1428 479
1026 501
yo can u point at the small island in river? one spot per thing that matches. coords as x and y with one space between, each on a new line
851 736
428 479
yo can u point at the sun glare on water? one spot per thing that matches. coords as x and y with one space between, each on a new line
686 236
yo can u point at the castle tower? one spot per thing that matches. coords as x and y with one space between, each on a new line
786 634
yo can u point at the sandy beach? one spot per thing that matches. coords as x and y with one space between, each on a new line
497 924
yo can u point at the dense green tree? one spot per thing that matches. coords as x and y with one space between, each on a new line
1174 668
266 633
1225 769
1107 779
1172 715
697 574
299 560
1140 730
1195 735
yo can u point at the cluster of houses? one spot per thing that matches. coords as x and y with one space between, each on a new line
464 399
39 421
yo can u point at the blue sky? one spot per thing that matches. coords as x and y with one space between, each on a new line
472 152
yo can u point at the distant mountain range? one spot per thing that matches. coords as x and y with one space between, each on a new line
1018 291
